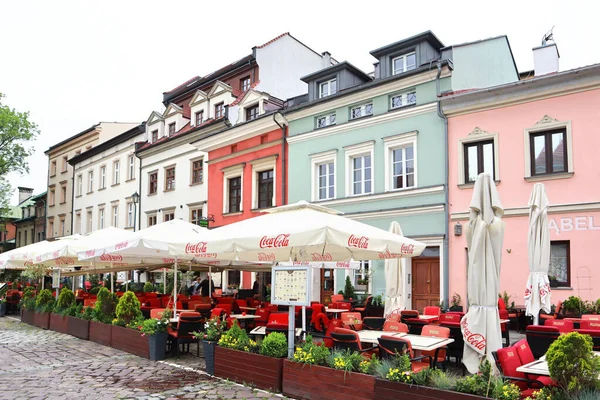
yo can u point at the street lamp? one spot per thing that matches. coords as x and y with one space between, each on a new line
136 199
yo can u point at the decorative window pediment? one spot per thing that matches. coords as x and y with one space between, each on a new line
218 88
154 118
172 109
199 97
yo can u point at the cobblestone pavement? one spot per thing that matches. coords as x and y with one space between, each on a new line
40 364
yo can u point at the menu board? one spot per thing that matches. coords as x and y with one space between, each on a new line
55 278
290 286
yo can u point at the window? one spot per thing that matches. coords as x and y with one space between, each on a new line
64 164
245 83
403 167
170 178
151 220
52 197
19 242
53 168
325 120
235 194
560 262
197 171
196 216
153 186
101 218
479 158
154 136
62 227
130 215
131 174
219 110
103 177
327 88
361 111
404 63
115 216
116 172
79 185
325 179
78 222
89 221
171 128
169 216
548 152
199 117
51 228
63 193
90 181
233 278
403 99
361 175
251 113
265 189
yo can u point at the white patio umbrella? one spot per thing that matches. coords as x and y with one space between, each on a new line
485 234
394 270
537 291
21 257
299 232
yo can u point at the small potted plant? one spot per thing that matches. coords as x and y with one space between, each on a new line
553 280
375 309
213 329
362 284
156 331
455 303
572 306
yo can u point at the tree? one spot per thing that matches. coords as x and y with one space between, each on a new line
16 130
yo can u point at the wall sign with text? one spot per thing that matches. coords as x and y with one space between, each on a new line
290 286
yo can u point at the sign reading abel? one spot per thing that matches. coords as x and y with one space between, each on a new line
567 224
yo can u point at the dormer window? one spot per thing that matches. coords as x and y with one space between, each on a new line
219 110
245 83
327 88
199 117
155 136
171 129
252 112
403 63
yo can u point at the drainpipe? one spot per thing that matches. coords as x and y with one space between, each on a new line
72 197
283 157
139 210
446 177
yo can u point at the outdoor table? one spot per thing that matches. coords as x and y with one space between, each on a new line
504 321
243 318
418 342
251 309
262 331
335 311
428 317
540 367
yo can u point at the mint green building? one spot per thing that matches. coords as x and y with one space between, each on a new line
374 147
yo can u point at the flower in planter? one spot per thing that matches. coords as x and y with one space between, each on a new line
509 391
213 329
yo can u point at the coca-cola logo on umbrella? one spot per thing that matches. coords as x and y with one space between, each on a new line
360 242
64 261
281 240
195 248
121 245
473 339
321 257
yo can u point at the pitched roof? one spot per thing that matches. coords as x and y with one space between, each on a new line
273 40
240 95
187 128
423 36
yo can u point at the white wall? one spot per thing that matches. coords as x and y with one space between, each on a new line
282 64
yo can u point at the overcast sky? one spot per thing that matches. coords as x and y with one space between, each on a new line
75 63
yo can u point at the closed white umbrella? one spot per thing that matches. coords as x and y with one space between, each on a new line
537 291
394 270
485 234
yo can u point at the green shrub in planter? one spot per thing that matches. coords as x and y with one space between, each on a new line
44 301
148 287
573 304
66 299
128 308
274 345
106 303
236 338
349 292
572 363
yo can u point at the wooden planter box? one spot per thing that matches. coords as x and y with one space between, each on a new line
58 323
312 382
27 316
79 328
386 390
100 333
254 369
41 320
129 340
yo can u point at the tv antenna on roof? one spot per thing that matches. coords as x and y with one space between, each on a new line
548 36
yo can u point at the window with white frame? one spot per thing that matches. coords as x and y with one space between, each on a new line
263 183
116 172
103 177
78 222
115 216
477 153
361 275
197 171
361 111
101 218
233 194
401 161
325 120
326 181
196 215
152 220
404 62
131 174
172 129
90 181
327 88
79 185
130 215
359 168
89 221
403 99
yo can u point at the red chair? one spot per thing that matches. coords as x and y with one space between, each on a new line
316 310
335 298
333 324
563 325
526 356
449 317
362 309
373 323
437 356
255 303
432 310
540 338
394 317
595 335
352 320
154 303
157 312
273 308
217 312
263 315
227 308
278 322
503 314
241 303
544 317
590 317
508 361
343 305
195 297
589 325
406 314
89 302
390 346
391 326
347 339
188 322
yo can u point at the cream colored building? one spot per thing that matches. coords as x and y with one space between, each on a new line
59 203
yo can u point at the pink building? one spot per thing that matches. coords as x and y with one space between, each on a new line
545 129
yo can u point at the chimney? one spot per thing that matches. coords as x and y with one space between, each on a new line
545 59
376 71
24 193
326 59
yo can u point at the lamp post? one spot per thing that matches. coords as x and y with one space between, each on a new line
136 199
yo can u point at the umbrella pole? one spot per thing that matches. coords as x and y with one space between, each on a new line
175 288
304 322
112 282
164 281
209 282
291 331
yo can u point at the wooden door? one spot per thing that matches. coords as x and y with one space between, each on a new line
326 285
425 282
